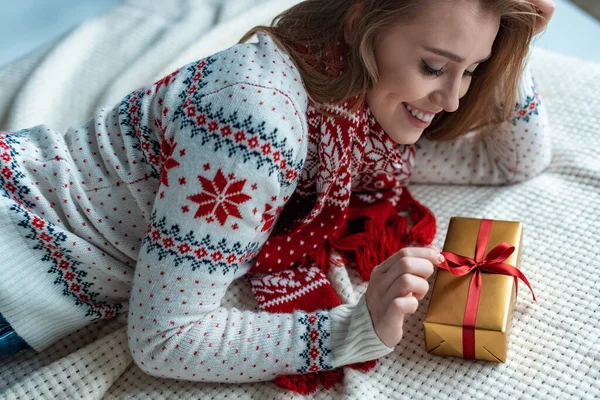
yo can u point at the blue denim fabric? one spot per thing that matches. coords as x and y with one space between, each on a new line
10 342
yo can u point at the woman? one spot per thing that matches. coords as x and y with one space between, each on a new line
270 160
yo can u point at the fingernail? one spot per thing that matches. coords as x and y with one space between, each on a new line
441 258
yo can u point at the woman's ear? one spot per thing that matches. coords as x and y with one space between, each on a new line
354 13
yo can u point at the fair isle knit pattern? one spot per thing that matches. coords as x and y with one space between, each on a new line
347 154
350 160
156 206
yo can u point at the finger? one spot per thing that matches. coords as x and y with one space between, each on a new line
545 9
427 253
543 6
406 284
410 265
435 247
400 306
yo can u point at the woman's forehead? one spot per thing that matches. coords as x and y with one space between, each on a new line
459 27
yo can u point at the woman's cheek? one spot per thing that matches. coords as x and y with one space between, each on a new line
415 88
464 87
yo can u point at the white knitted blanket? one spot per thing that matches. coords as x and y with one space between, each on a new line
554 350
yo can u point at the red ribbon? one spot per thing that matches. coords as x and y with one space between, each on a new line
493 263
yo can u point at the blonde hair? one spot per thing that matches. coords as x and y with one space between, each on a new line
313 27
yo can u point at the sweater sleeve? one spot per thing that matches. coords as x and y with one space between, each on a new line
510 152
230 160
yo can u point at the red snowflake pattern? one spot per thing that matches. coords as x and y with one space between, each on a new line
268 218
167 160
220 197
165 81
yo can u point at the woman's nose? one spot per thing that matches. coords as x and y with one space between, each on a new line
448 97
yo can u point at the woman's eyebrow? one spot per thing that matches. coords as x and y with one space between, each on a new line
451 56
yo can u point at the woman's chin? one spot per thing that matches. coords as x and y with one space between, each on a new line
406 136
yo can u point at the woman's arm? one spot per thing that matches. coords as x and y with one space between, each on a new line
511 152
226 162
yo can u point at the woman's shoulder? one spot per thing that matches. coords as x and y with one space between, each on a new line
261 67
249 97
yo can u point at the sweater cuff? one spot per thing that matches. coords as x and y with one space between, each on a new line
353 338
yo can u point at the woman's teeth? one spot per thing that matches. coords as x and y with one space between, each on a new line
419 115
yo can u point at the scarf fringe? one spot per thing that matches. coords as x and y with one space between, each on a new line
309 383
364 366
373 246
423 232
378 241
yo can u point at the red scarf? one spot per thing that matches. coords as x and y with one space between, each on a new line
349 197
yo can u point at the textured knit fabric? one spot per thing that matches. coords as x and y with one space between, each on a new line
83 221
157 205
553 350
349 198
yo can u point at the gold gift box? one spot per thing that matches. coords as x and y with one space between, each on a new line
443 324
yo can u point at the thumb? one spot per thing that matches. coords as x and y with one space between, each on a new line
434 246
437 248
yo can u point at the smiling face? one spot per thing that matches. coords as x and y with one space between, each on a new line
426 66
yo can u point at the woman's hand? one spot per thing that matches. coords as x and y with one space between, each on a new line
395 288
545 10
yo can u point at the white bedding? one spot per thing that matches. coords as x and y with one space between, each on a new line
554 350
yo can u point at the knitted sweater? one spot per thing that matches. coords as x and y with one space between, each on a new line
155 206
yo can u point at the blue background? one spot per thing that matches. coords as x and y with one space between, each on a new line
27 24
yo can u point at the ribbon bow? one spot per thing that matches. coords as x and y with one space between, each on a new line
493 263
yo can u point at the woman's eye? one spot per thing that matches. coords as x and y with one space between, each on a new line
431 71
427 70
